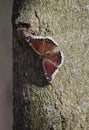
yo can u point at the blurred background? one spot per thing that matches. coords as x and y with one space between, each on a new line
5 65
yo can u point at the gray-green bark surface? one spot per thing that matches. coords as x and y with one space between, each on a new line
64 105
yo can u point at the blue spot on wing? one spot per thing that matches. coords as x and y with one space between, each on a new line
29 38
50 41
49 78
59 58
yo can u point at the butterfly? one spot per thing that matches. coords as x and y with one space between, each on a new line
51 60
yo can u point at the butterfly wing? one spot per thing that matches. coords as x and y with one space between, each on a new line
41 45
51 64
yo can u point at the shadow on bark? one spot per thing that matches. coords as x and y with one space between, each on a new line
28 66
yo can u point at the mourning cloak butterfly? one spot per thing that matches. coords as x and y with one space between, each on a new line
51 60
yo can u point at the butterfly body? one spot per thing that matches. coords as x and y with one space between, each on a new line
51 60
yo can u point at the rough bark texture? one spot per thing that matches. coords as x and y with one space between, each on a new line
64 105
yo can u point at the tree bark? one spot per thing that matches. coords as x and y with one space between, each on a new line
64 104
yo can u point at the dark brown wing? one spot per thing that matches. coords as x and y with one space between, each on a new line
49 69
41 45
51 64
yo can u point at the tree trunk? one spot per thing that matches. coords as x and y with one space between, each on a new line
64 104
